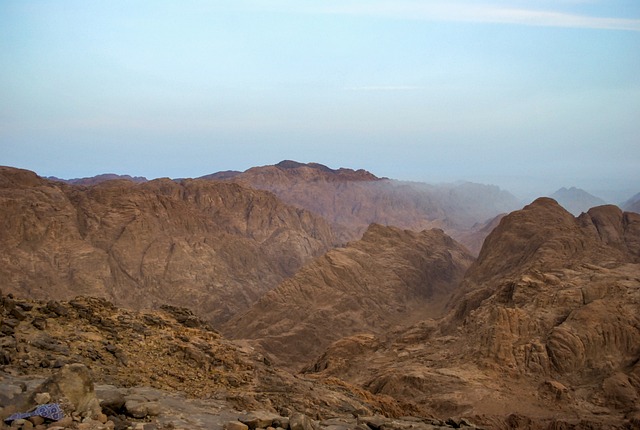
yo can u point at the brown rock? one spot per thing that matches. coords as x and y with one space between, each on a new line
620 393
72 384
258 420
298 421
37 420
557 389
63 423
235 425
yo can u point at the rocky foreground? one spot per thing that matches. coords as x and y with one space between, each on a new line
112 368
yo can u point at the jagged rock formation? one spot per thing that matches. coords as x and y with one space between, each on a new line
352 200
545 329
576 200
211 245
388 279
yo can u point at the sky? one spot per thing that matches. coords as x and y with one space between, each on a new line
530 95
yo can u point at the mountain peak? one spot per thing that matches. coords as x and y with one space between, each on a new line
576 200
339 174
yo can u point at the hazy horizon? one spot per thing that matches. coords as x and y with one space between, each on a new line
525 197
529 96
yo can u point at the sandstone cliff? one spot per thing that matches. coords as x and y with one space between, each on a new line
545 328
213 246
386 280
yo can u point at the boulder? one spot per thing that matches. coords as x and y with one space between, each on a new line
298 421
235 425
258 420
72 386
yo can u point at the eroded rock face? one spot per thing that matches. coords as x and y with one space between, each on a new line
388 279
547 321
213 246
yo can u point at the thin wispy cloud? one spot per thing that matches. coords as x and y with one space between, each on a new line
453 11
385 88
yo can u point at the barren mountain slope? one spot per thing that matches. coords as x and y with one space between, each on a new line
546 328
213 246
388 279
168 349
351 200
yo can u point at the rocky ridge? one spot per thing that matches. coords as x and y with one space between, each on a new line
544 332
388 279
195 243
352 200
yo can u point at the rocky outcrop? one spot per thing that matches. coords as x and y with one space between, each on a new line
211 245
89 342
388 279
544 236
546 324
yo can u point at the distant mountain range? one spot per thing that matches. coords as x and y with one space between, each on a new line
576 200
351 200
94 180
633 204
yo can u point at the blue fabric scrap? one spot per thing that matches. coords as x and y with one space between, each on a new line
51 411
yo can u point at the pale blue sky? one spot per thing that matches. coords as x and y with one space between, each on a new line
530 95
